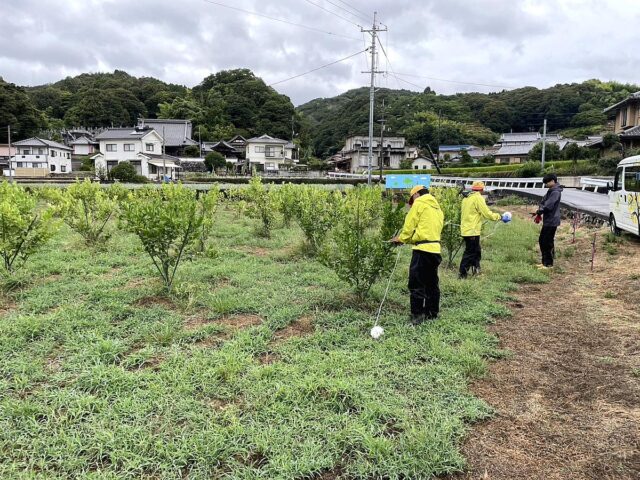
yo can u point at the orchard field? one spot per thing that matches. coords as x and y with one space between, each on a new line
255 361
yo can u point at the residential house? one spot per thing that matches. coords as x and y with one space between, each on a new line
453 152
421 163
175 132
515 147
142 147
627 120
354 157
38 157
266 153
83 146
5 155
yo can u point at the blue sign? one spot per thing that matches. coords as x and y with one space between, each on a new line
406 182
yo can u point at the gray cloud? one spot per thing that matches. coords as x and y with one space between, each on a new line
499 42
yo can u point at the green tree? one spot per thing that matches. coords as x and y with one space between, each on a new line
450 202
465 158
214 160
87 208
192 151
24 226
168 221
552 152
126 172
17 110
358 249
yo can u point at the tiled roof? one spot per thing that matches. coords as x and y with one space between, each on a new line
176 133
123 134
516 149
82 141
613 108
40 142
267 139
519 137
632 132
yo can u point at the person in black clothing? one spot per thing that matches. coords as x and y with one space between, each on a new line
549 212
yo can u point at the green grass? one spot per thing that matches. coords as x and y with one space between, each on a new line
102 378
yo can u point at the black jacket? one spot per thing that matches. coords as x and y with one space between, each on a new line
549 207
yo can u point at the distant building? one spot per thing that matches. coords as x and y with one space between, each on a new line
83 146
267 153
421 163
626 115
38 157
453 151
354 157
142 147
175 132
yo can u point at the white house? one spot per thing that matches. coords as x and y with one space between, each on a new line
270 154
39 157
142 147
83 146
354 157
422 163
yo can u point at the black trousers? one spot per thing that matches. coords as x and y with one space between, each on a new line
424 284
471 256
547 247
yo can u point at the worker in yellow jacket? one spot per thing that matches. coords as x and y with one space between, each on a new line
474 210
422 228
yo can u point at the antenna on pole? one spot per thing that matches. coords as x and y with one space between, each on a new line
544 143
374 34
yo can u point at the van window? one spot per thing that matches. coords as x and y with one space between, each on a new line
632 179
617 183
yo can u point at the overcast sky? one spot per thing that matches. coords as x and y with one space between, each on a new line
509 43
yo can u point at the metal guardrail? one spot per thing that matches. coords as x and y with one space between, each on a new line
596 183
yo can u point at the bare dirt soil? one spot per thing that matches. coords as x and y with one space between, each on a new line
567 401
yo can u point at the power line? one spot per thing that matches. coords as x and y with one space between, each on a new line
333 13
454 81
316 69
365 18
355 9
248 12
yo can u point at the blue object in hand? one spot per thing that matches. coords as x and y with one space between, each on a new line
506 217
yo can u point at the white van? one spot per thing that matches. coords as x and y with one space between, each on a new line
624 197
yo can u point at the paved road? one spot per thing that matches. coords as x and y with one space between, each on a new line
596 204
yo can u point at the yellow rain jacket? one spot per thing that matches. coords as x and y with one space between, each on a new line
474 209
423 223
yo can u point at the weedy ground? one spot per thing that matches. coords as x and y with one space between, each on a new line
259 365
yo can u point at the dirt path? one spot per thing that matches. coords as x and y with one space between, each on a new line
568 400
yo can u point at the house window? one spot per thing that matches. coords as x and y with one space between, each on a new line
129 147
625 114
25 152
259 149
415 167
53 168
20 165
53 153
63 168
270 152
632 179
148 147
111 147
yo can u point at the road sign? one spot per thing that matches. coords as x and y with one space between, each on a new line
406 182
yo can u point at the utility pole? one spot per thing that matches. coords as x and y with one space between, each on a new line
381 154
372 91
438 135
199 141
544 142
164 162
10 162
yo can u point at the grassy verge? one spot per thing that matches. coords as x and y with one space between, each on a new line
260 365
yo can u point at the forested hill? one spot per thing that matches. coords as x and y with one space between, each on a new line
470 118
222 105
237 102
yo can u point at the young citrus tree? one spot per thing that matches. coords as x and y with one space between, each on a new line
24 225
207 207
450 201
358 249
315 214
168 221
87 208
261 205
286 198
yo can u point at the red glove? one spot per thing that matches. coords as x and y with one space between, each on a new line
538 218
